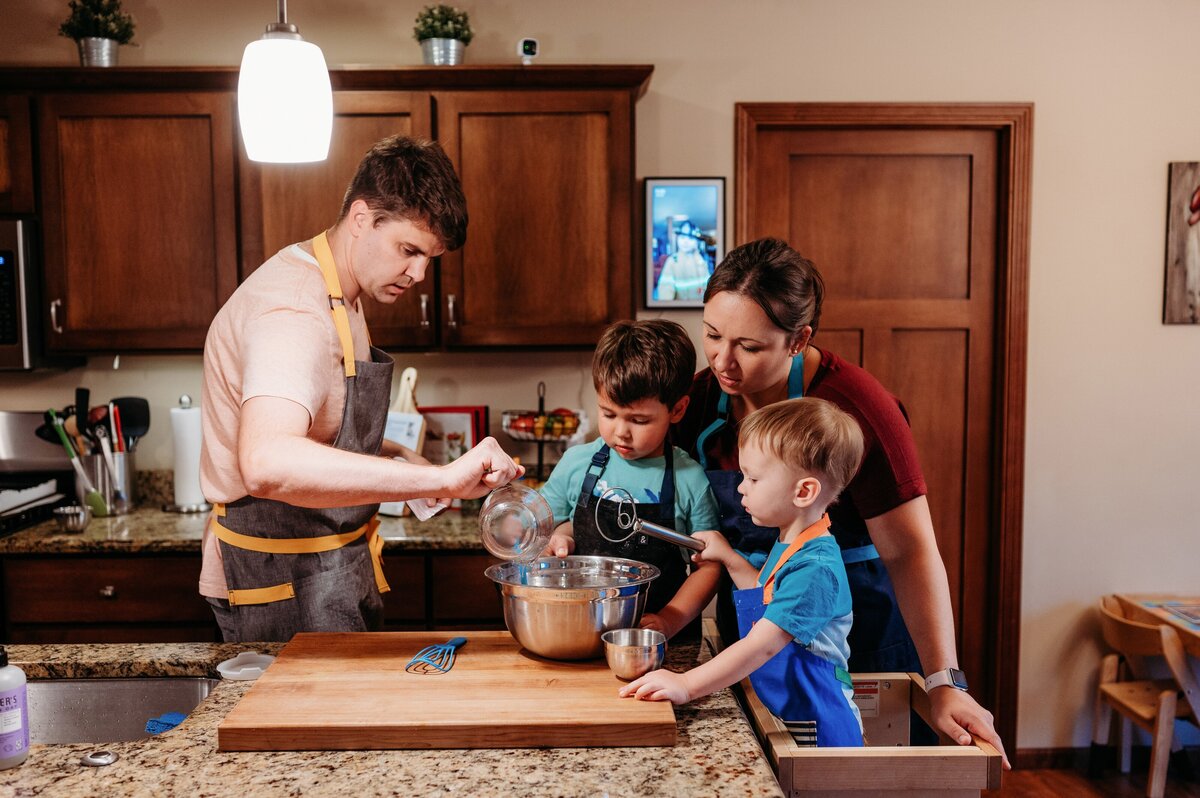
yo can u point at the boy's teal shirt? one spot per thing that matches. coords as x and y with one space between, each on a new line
695 506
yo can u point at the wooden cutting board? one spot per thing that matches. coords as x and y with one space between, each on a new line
335 691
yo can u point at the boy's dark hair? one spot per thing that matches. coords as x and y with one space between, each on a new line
641 359
411 179
784 283
808 434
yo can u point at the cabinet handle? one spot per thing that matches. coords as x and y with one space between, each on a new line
108 592
54 306
452 320
424 310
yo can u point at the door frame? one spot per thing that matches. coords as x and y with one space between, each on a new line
1013 125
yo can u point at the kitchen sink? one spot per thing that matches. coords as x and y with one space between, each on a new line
107 710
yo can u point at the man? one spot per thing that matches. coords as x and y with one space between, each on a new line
294 405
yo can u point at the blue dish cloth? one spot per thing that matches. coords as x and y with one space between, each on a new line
164 722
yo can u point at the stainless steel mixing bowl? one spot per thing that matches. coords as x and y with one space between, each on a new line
634 652
558 608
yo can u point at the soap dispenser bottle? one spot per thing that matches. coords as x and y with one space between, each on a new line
14 714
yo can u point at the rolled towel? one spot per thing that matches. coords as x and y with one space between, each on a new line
164 722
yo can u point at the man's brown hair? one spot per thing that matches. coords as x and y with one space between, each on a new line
641 359
810 435
411 179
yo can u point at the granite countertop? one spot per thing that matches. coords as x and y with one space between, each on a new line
716 754
150 530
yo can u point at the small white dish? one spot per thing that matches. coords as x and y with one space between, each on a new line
245 666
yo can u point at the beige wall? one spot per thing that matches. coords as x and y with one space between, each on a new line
1112 425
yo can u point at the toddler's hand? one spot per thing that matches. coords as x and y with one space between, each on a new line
716 548
659 685
559 546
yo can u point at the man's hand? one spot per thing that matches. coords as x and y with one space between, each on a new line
660 685
480 471
958 715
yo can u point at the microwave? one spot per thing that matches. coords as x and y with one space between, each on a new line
21 307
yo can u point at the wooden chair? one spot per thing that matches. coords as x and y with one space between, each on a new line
1152 704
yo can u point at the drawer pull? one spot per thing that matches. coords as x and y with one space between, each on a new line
108 592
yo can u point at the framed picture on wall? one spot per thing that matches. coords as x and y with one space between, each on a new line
1181 299
685 238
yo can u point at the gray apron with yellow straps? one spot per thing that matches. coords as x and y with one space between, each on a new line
298 569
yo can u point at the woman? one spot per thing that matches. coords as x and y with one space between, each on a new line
761 309
685 272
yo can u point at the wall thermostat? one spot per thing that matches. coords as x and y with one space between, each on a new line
528 50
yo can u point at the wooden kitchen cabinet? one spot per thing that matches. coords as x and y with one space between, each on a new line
285 203
153 598
548 177
16 155
105 599
139 224
151 213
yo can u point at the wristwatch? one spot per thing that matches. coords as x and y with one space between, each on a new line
950 677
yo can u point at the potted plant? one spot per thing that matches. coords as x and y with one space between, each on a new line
98 27
443 32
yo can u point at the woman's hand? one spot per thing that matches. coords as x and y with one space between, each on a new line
957 715
659 685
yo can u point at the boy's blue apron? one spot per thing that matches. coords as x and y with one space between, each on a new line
879 640
668 558
796 685
300 569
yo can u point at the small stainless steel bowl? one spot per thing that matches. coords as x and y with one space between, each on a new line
73 517
634 652
558 608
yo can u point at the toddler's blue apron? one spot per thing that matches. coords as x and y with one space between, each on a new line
879 640
796 685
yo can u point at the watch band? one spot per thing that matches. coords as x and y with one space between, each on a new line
950 677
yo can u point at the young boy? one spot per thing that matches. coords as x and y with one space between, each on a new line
642 371
794 613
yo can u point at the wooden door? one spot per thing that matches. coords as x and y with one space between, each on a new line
16 155
914 216
286 203
549 183
139 222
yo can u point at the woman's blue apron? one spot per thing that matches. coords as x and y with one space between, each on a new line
667 557
879 640
799 687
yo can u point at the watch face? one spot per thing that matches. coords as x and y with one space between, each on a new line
958 678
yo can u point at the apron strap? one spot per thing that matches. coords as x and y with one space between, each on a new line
666 494
337 302
795 391
298 546
816 530
600 461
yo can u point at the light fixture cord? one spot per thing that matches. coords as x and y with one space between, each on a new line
282 12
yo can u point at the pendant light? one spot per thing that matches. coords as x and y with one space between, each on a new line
285 103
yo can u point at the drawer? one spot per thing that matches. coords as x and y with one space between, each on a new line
405 602
460 591
160 589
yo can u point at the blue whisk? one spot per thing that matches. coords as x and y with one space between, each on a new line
436 659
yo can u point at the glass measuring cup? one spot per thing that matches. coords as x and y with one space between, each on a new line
515 523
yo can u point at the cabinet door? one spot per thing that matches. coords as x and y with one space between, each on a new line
286 203
16 155
140 226
548 177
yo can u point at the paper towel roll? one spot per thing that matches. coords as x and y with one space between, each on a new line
185 434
